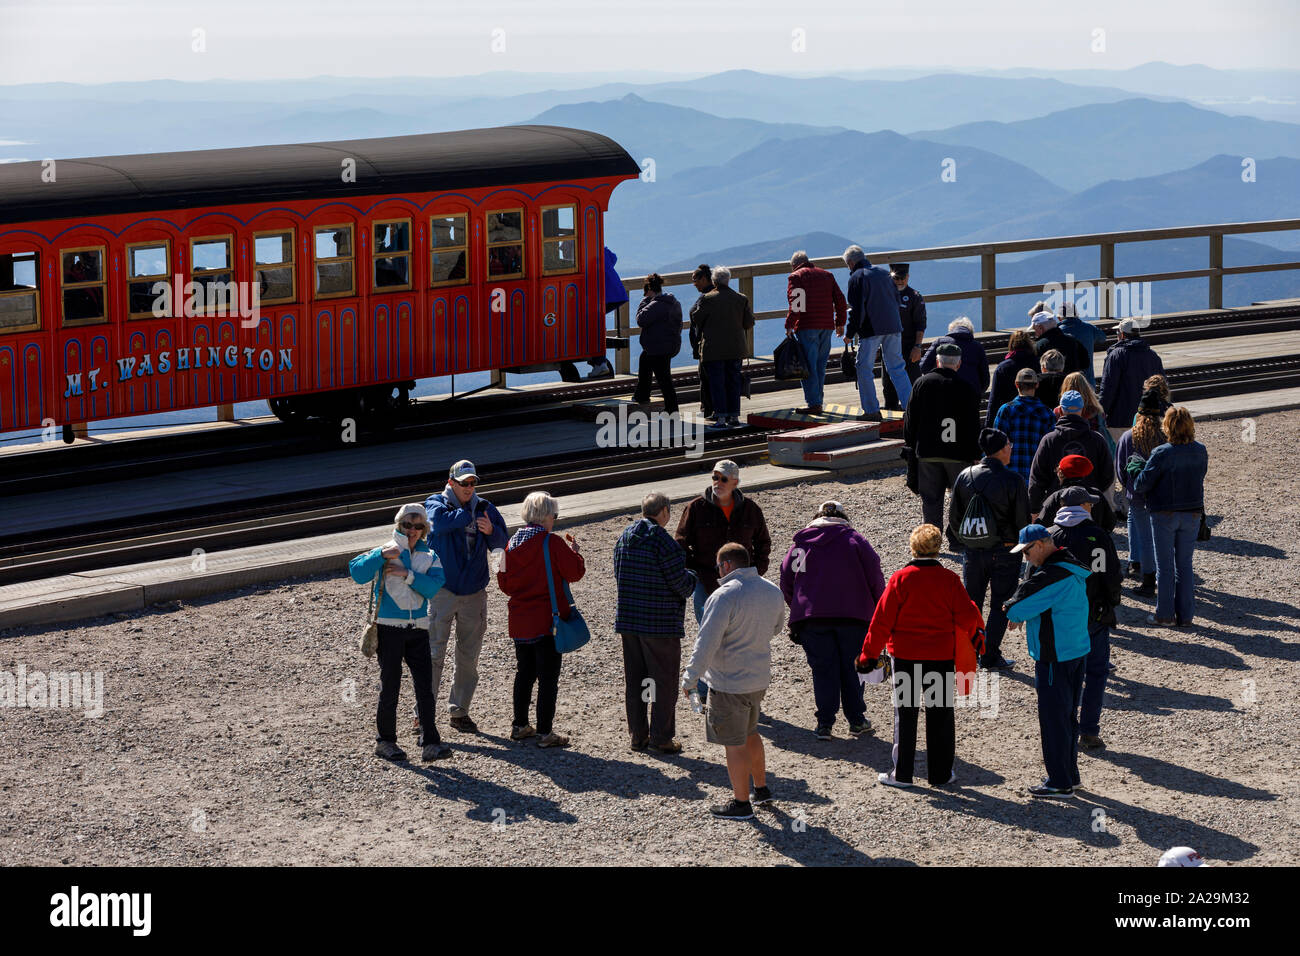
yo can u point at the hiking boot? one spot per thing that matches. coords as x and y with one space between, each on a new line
998 663
668 748
553 740
857 730
823 732
808 410
1159 621
1148 584
639 746
761 796
432 752
1091 741
390 751
733 809
464 724
522 733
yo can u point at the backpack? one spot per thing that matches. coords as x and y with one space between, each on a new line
979 527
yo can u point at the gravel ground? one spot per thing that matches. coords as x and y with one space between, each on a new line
238 730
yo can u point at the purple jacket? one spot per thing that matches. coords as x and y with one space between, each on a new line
831 571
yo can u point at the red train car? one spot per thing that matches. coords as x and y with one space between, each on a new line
319 276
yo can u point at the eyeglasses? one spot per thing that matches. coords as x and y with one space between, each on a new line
407 526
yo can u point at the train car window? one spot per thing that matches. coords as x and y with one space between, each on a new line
19 309
83 286
505 244
210 260
449 245
392 255
559 239
146 264
333 261
273 261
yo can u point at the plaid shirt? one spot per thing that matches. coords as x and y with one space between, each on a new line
1026 421
653 582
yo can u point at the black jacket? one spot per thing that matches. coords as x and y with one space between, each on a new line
1129 363
1049 388
936 397
1003 387
1071 436
974 360
1004 491
660 319
911 313
1102 513
1092 547
1077 356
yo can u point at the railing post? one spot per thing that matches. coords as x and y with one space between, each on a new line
1106 303
1216 277
988 283
225 413
623 329
497 378
747 290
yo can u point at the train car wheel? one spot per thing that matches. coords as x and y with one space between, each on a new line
288 410
569 372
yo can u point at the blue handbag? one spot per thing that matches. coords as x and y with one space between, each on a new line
572 633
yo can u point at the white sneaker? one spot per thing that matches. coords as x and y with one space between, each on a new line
888 780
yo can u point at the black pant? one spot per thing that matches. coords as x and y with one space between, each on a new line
661 367
913 373
934 479
996 570
658 661
539 663
706 394
931 683
411 643
1060 690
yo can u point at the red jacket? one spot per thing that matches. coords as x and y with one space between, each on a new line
523 578
824 306
925 615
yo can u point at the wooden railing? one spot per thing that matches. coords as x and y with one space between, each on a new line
743 276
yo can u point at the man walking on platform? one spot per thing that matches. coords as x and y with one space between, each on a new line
1129 363
463 529
816 306
874 320
724 315
911 314
702 279
941 426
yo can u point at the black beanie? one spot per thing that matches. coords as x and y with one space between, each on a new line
993 440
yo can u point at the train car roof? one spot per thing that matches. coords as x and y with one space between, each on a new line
429 162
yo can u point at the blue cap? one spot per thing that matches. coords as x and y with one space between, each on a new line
1029 534
1072 399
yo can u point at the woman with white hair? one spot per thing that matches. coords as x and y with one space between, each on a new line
974 361
403 575
522 576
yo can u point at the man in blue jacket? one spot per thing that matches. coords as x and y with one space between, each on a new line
463 528
1129 363
874 319
1085 333
1054 600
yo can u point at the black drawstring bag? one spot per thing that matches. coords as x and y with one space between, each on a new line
849 363
1203 533
790 361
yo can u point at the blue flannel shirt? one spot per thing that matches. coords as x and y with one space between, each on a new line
653 582
1026 421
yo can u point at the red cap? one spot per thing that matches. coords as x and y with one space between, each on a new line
1075 466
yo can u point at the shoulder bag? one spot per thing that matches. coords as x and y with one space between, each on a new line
572 633
370 636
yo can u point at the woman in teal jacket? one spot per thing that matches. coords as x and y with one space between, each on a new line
403 575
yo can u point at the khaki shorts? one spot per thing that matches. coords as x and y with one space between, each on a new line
732 717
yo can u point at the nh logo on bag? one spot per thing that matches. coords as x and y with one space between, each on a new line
976 527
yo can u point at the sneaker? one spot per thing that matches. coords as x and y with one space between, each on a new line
857 730
734 422
1058 793
522 733
390 751
888 780
718 424
464 724
637 746
553 740
823 732
1160 622
761 796
432 752
668 749
808 410
998 663
871 417
733 809
952 779
1091 741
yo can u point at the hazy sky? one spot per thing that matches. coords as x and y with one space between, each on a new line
95 42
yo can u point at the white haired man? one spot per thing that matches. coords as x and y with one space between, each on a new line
723 316
875 322
974 360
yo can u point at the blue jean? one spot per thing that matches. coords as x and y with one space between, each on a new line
1096 668
1060 686
831 650
1141 543
996 570
816 344
1175 540
724 385
891 347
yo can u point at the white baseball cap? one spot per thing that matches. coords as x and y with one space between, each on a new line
1182 856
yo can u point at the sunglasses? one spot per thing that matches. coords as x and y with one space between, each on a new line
407 526
717 477
468 484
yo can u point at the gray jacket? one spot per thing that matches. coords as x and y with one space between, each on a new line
733 652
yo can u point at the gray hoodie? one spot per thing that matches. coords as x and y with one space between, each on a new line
733 651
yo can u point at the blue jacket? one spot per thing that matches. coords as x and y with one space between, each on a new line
1053 600
1089 335
451 528
1174 477
974 360
366 568
873 302
1129 363
615 293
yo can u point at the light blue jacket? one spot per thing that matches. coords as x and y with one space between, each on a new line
398 606
1053 600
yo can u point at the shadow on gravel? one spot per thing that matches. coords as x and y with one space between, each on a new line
806 843
1160 831
1239 546
1063 818
869 749
492 803
1186 650
1170 776
1123 693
